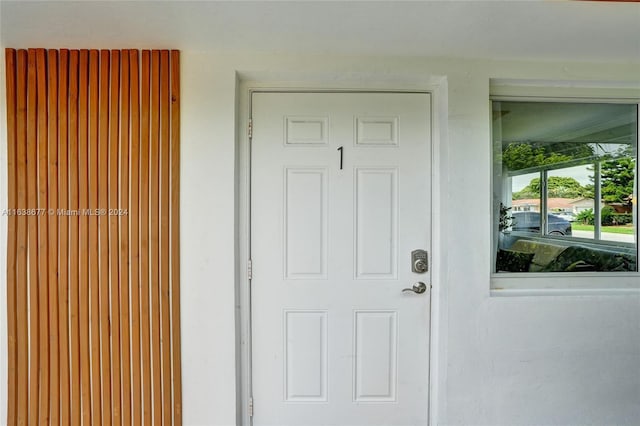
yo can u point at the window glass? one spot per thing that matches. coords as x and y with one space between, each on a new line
565 186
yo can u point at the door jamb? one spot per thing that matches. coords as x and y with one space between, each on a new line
438 321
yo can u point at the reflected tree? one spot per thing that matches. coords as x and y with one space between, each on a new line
557 187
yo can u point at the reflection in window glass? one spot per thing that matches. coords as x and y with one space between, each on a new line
570 192
565 186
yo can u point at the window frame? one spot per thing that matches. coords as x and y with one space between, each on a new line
559 283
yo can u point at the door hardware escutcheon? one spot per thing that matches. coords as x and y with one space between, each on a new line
419 261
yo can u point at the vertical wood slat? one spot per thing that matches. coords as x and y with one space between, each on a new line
52 99
145 319
22 297
155 237
10 57
123 215
135 250
83 157
43 232
92 285
63 203
93 298
155 231
175 237
103 201
164 235
114 236
32 199
74 221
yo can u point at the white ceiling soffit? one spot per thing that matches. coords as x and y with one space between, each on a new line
534 30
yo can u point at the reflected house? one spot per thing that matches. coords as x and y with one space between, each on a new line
581 204
626 207
570 205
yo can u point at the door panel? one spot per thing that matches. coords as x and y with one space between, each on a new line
335 340
375 350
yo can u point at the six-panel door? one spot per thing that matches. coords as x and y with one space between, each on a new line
340 199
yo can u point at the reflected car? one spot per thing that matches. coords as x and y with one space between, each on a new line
566 216
530 222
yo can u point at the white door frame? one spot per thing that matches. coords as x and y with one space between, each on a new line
438 349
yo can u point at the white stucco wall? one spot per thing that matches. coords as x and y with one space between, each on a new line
555 360
570 359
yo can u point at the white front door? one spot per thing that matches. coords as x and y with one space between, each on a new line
340 199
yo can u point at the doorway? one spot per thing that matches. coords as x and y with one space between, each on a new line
340 223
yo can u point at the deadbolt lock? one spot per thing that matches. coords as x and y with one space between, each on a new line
419 261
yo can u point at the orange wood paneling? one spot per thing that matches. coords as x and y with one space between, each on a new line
22 294
83 201
103 225
43 232
155 236
52 205
32 200
134 208
74 221
63 236
145 315
114 264
93 273
10 57
175 235
164 235
123 216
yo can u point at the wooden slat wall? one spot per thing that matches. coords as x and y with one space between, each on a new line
93 237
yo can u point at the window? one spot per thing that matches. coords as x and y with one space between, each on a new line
565 186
